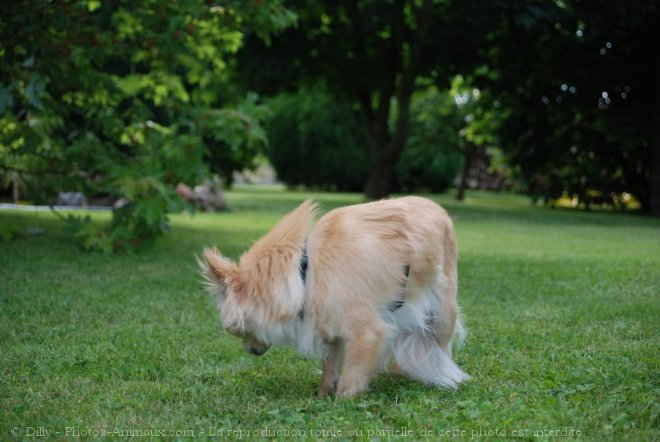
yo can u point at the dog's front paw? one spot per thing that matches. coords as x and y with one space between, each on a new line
326 389
349 393
395 369
349 390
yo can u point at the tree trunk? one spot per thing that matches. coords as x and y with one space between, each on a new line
385 150
385 147
15 191
467 165
381 171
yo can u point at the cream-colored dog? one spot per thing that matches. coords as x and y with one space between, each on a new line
370 285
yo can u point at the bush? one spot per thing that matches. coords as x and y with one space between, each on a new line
426 167
316 140
431 158
319 141
145 100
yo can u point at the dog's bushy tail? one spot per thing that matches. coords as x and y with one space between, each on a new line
419 356
424 353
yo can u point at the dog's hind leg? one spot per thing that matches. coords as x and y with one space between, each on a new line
362 358
330 369
446 323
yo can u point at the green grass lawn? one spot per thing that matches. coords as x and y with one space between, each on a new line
562 308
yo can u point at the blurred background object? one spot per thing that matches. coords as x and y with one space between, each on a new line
558 100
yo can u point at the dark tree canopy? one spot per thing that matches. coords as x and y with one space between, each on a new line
128 98
576 81
372 52
572 82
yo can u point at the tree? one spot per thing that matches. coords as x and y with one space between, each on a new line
573 79
432 156
577 84
372 52
325 135
126 99
477 130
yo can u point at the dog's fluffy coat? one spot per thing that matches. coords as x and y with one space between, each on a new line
380 288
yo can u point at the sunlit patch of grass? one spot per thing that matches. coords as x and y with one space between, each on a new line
562 309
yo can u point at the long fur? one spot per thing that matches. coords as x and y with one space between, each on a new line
357 256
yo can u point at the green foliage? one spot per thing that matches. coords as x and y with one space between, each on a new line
235 137
479 115
316 140
426 168
575 80
570 80
91 236
9 230
432 157
135 224
141 103
373 52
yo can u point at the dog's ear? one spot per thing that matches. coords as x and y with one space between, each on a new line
218 270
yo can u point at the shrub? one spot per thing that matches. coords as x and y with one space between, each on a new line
145 100
426 167
431 158
317 140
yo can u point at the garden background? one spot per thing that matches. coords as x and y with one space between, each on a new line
536 124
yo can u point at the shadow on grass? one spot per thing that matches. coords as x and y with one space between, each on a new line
293 385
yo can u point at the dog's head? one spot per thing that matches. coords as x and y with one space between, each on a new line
264 290
226 281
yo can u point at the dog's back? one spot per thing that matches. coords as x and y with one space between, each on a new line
389 266
363 249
